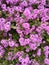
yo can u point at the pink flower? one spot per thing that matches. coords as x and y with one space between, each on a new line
46 61
27 13
32 46
21 41
39 52
26 25
11 43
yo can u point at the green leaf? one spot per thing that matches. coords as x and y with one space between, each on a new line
31 22
47 39
4 14
21 27
15 35
35 6
47 1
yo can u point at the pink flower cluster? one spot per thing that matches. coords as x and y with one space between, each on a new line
24 32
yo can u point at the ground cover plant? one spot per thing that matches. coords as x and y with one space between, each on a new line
24 32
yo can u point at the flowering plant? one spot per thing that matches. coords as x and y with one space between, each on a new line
24 32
